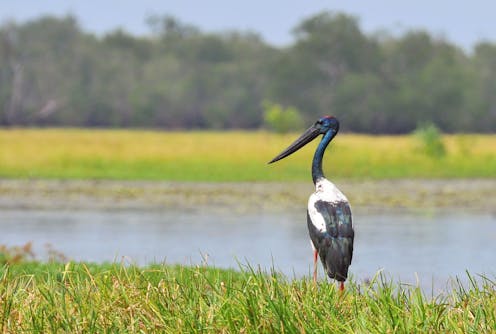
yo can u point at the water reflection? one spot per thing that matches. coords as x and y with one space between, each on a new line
435 247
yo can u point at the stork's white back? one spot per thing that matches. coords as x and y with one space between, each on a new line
325 191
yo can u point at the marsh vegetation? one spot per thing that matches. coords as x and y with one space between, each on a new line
233 156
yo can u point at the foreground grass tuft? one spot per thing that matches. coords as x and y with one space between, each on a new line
78 297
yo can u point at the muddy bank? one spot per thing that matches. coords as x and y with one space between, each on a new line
476 195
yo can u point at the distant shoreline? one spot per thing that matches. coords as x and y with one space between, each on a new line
478 195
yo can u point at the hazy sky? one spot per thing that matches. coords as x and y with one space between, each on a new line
462 22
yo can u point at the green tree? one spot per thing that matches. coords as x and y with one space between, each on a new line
54 73
328 47
483 98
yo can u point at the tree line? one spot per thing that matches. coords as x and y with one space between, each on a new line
52 73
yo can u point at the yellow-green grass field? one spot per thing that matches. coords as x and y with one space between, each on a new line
231 156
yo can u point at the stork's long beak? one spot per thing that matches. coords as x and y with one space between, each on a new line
310 134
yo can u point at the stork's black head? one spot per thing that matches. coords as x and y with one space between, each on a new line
321 127
327 123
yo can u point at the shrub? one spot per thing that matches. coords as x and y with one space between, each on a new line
280 119
430 140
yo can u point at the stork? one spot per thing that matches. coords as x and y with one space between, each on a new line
329 213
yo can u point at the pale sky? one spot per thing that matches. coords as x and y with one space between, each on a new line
461 22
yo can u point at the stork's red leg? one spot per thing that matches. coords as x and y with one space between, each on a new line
341 286
315 253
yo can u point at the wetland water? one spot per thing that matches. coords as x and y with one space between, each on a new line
433 245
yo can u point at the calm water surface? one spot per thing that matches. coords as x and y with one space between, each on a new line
432 247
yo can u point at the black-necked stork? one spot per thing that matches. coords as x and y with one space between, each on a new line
329 214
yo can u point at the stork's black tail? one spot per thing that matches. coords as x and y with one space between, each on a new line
338 256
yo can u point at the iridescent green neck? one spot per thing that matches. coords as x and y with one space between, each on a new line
317 172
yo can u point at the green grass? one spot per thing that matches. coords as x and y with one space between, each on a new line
231 156
78 297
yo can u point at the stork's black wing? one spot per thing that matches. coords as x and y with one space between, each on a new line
335 244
